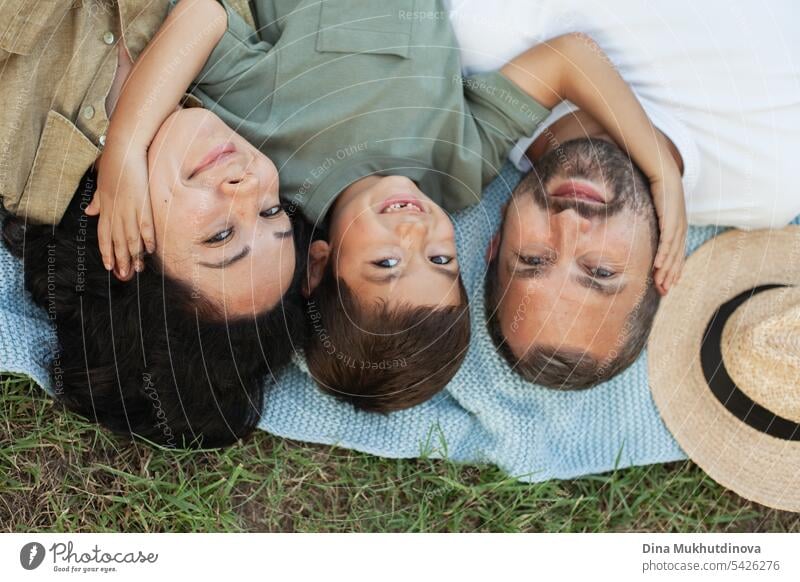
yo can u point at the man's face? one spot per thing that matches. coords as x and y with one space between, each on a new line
575 251
391 243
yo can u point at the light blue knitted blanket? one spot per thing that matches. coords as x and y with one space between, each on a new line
486 414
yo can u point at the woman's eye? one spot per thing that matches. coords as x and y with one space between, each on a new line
441 260
273 211
387 263
220 237
602 273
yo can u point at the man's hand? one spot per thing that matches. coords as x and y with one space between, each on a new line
122 201
670 205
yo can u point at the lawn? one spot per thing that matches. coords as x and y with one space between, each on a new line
61 474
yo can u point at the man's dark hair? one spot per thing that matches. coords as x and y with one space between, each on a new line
148 358
382 358
570 369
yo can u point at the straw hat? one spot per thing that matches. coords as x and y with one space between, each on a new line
724 362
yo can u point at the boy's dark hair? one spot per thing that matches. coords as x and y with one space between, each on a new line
145 358
382 358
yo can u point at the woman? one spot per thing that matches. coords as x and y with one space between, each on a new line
179 355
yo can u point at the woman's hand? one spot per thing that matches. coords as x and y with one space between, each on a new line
122 200
667 190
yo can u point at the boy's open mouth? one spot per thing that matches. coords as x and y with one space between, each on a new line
397 204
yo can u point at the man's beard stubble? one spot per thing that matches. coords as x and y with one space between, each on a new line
595 160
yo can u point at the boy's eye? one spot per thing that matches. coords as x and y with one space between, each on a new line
220 237
387 263
441 260
602 273
273 211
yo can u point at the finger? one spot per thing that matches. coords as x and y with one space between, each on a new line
122 277
667 270
663 251
148 231
94 206
658 277
105 244
121 254
134 241
678 253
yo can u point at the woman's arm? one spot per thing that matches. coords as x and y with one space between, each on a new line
573 67
153 90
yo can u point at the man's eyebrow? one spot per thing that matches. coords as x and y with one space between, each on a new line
227 262
608 290
284 234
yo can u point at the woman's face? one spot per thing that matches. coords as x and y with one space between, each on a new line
218 221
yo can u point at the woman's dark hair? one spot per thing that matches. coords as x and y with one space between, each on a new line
147 357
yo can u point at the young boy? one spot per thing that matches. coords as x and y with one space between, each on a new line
376 135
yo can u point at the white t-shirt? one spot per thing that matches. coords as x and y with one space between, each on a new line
721 79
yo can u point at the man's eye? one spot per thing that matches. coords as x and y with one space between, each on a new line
387 263
273 211
602 273
220 237
532 260
441 260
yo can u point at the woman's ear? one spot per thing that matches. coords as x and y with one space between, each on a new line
318 254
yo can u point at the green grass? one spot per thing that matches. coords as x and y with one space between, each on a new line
59 473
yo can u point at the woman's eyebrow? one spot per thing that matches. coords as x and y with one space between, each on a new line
227 262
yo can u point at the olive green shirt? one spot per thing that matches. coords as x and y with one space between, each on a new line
336 90
58 59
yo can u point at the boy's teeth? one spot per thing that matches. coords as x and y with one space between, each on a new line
399 206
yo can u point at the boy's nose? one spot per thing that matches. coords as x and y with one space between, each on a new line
411 229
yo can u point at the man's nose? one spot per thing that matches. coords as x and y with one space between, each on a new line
572 222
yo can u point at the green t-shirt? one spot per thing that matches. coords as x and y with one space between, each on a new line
337 90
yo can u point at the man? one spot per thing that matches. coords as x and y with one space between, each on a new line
570 298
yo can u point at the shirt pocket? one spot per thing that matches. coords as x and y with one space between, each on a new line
358 26
62 157
25 24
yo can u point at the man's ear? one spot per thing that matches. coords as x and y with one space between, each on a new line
318 254
493 248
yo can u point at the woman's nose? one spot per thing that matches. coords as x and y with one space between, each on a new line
239 185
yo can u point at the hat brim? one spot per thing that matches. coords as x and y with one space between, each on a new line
757 466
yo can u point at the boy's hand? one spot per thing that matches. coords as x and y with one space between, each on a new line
122 200
670 206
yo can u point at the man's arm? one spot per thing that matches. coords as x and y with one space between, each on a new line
573 67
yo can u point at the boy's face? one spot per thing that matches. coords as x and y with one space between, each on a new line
391 243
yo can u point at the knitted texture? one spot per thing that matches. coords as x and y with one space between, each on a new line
486 414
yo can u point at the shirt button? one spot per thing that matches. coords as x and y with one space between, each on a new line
88 112
108 37
102 140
